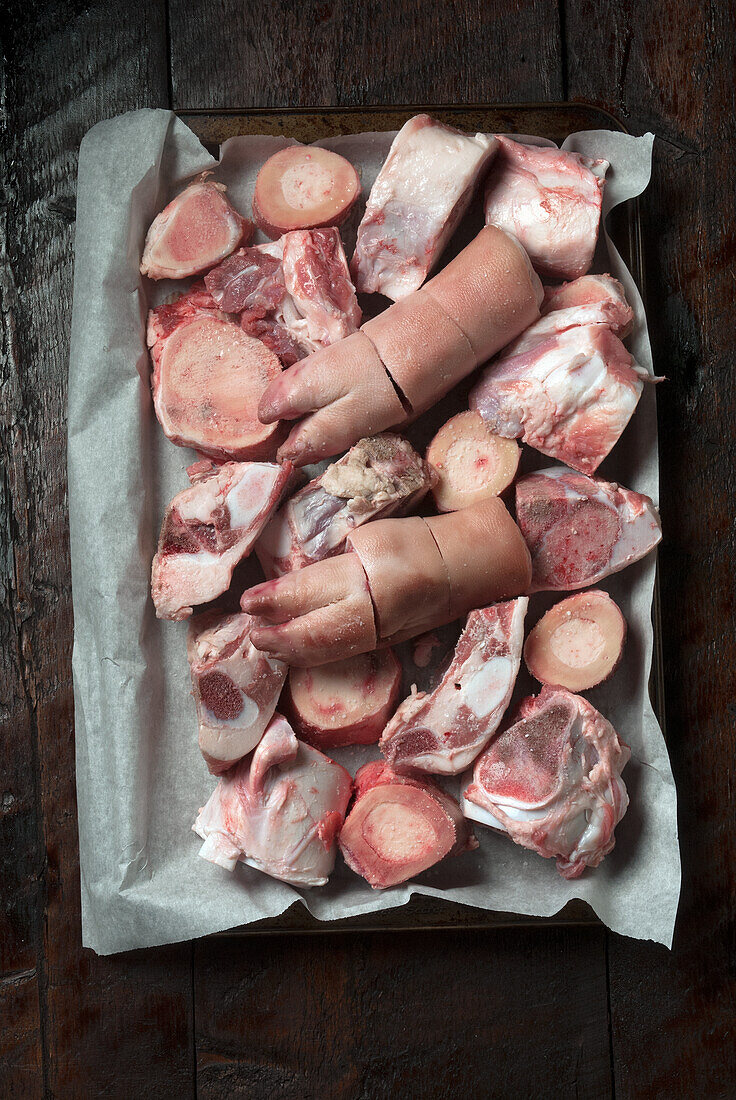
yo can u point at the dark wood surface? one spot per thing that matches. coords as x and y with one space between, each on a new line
513 1012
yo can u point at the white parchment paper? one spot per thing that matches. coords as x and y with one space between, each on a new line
140 777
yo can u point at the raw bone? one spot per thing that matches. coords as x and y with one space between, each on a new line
595 298
552 781
551 200
570 395
235 687
345 703
578 643
405 577
279 810
444 731
208 528
304 187
415 204
399 826
195 231
317 278
379 476
207 379
471 463
581 529
480 301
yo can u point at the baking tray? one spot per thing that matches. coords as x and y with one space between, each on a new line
550 120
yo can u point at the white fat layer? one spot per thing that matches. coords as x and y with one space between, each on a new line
486 688
218 849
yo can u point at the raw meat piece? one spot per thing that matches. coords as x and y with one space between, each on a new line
578 643
379 476
570 396
581 529
552 781
551 200
295 293
208 378
399 826
195 231
415 204
409 356
250 281
304 187
444 731
405 577
345 703
470 462
235 687
279 810
317 278
208 528
595 298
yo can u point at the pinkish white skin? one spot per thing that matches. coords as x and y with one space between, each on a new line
194 232
208 378
581 529
551 201
210 527
415 204
444 731
345 703
471 463
399 826
279 810
552 781
578 643
304 187
591 296
380 476
570 396
235 687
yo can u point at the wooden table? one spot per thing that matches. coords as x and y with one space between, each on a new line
517 1012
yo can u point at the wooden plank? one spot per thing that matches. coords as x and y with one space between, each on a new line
344 53
668 67
406 1014
110 1026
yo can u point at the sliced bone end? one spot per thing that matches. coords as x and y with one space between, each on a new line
578 643
304 187
344 703
398 827
470 461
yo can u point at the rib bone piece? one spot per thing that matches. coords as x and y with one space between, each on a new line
444 731
235 687
380 476
552 781
210 527
279 810
581 529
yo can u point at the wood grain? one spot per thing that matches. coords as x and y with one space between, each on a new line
343 53
669 68
377 1016
103 1026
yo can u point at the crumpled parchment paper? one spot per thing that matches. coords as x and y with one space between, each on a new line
140 777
